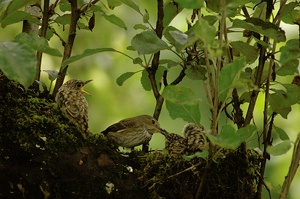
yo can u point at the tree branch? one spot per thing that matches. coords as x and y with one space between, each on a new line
75 14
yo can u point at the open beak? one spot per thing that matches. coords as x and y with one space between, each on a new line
83 91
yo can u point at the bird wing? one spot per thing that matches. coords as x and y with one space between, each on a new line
121 125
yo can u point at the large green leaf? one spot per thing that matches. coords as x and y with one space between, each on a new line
205 32
16 17
18 62
37 43
228 75
147 42
227 138
282 134
265 28
171 10
182 103
279 149
88 52
14 6
290 52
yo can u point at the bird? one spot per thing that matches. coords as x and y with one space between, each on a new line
73 105
174 143
131 132
195 135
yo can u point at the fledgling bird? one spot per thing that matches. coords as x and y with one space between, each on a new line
132 131
175 144
195 135
73 104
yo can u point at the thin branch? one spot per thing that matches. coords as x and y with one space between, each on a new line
44 28
69 45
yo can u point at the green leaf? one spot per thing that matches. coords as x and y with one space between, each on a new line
14 6
145 81
52 74
146 17
18 16
171 10
229 75
179 39
18 62
205 32
265 28
290 52
203 154
147 42
87 52
63 20
115 20
279 149
282 134
191 4
64 6
197 72
279 103
137 60
132 5
182 103
246 133
290 15
227 138
113 3
37 43
140 26
122 78
250 52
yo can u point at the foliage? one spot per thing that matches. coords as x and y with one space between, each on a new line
231 72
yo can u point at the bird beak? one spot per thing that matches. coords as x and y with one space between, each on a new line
83 91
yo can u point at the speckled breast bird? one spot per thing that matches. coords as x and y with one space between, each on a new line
175 144
195 135
73 104
132 131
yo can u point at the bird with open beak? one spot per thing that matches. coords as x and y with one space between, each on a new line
73 104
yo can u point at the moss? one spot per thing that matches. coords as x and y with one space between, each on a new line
44 156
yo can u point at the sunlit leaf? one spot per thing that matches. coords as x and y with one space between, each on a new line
146 16
279 149
140 26
115 20
64 19
247 132
18 62
113 3
203 154
147 42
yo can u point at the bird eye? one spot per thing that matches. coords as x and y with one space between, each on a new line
153 121
79 84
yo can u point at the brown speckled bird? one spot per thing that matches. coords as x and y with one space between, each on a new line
132 131
196 139
73 104
175 144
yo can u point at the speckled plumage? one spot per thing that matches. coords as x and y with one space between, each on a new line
73 104
174 143
132 131
196 139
